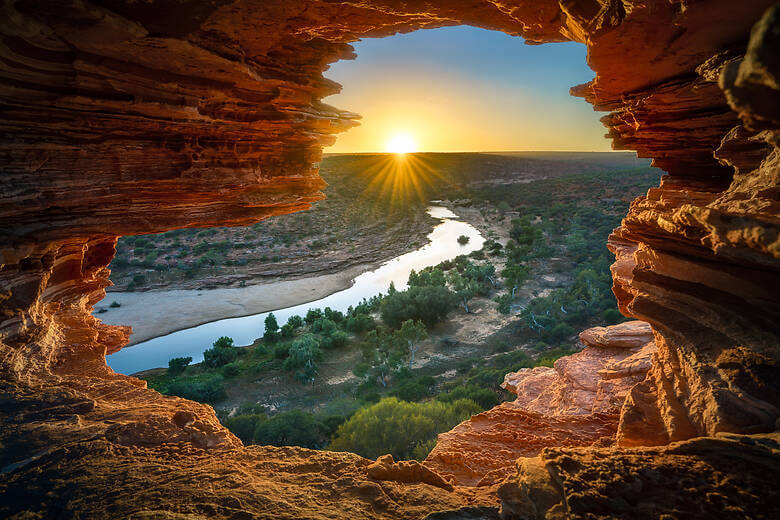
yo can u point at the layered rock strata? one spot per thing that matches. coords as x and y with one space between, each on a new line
122 117
575 403
727 476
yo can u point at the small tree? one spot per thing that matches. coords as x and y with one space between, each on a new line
504 303
464 288
303 355
463 240
515 275
221 353
177 365
271 334
412 332
295 321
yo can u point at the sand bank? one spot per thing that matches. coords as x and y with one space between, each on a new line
156 313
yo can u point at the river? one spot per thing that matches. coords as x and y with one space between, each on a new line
442 245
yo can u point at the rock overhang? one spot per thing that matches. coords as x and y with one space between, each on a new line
120 117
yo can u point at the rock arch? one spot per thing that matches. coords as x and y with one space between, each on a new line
123 117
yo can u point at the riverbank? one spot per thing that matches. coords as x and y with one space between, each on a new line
156 313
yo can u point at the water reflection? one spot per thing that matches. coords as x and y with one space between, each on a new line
192 342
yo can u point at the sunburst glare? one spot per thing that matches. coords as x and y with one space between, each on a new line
401 143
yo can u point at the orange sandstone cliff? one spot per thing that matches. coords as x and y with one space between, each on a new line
124 117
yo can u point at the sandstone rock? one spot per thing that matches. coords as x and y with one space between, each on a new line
631 334
576 385
697 478
120 117
571 404
482 451
405 471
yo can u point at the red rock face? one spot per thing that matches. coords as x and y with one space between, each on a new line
575 403
122 117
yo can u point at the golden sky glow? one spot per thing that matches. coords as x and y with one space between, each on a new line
456 101
401 143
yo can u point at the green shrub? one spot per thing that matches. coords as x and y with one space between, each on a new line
360 323
484 397
504 302
422 449
222 353
231 370
282 351
295 321
337 340
324 326
287 331
312 315
271 334
291 428
612 316
397 427
177 365
561 332
428 304
244 426
303 356
414 389
209 390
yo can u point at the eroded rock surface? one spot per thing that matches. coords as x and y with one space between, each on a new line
123 117
727 476
575 403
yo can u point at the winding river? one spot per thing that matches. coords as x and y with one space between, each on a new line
442 245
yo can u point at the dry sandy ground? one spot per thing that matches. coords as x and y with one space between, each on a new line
149 312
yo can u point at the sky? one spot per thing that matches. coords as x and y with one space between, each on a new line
465 89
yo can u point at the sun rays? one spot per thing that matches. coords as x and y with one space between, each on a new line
401 179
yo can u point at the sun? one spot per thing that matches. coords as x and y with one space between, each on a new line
401 143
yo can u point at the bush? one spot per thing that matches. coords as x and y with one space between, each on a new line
312 315
414 389
292 428
337 340
208 390
244 426
281 351
504 303
295 321
561 332
222 353
360 323
303 355
231 370
428 304
271 333
422 449
177 365
463 240
612 316
287 331
324 326
397 427
484 397
336 316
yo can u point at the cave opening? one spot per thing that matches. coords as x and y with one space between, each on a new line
532 270
119 121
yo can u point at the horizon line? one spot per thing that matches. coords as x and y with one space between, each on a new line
479 151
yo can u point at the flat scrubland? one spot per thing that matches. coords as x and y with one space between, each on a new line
395 370
368 216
